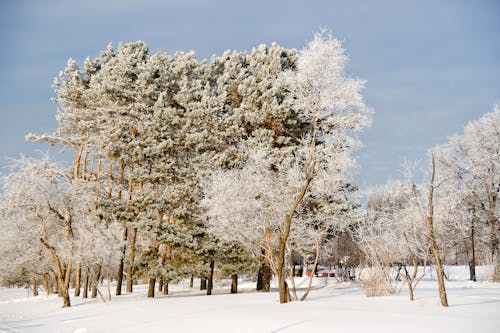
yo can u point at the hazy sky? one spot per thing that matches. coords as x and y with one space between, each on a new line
430 66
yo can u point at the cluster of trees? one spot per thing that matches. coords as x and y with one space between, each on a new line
460 204
240 162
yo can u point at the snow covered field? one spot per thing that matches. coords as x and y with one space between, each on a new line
331 307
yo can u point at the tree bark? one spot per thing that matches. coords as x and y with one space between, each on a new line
191 282
234 284
165 289
259 280
85 283
133 235
203 284
266 278
63 273
211 278
121 265
309 173
78 279
432 240
95 283
492 217
472 260
35 287
131 259
151 287
46 283
160 285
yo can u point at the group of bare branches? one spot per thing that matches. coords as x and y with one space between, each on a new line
453 219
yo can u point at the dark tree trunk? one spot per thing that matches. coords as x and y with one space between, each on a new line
234 284
131 259
259 279
191 282
85 283
165 289
203 284
121 265
210 278
472 261
151 289
266 278
160 285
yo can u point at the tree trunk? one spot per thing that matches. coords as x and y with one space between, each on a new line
282 285
46 283
78 279
264 278
165 289
66 301
64 281
131 259
63 272
492 217
287 224
133 235
410 288
160 285
432 240
121 265
259 280
78 157
151 287
234 284
472 261
95 283
85 282
203 284
35 287
191 282
211 278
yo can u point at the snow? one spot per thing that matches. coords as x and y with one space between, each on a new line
332 306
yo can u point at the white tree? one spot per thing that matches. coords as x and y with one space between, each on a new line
469 165
332 105
53 213
393 235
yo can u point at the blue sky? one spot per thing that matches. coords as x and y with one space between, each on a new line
430 66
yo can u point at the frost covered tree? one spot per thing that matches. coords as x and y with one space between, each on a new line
56 212
469 165
393 237
270 196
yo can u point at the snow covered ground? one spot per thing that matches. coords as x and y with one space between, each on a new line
331 307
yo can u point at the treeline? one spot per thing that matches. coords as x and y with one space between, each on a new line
180 165
241 164
459 201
